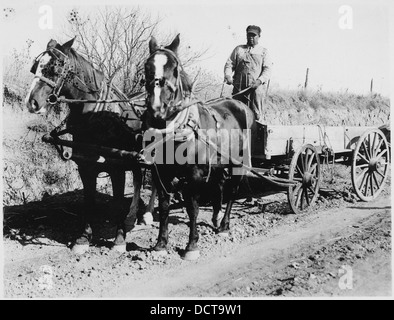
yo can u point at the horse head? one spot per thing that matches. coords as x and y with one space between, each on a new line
167 85
59 70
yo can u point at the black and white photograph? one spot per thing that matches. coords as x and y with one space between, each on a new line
202 154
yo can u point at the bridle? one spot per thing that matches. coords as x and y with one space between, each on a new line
61 70
178 93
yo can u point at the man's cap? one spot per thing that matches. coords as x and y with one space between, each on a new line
253 29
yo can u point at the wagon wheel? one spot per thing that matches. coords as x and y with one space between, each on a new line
305 170
370 165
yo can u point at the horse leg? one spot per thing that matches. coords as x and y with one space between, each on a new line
131 217
118 183
217 199
88 177
148 215
234 186
191 197
164 210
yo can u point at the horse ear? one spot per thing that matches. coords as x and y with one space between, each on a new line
153 45
51 44
174 44
67 46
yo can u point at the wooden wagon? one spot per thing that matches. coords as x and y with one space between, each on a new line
296 153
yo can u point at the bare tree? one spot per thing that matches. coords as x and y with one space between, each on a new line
208 85
115 40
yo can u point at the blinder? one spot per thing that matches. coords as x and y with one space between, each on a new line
36 61
34 67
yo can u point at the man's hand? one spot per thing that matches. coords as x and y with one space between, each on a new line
228 79
256 83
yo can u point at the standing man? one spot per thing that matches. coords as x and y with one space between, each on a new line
249 65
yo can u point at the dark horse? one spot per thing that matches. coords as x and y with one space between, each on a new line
206 128
61 71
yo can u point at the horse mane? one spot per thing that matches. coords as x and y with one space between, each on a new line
186 83
86 71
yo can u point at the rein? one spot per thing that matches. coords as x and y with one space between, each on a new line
62 99
180 107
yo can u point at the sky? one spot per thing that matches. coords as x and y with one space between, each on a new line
343 43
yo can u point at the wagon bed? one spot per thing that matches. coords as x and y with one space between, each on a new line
297 152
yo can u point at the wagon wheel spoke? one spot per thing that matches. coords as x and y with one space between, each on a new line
379 173
298 196
377 147
370 144
300 171
381 154
313 169
302 163
308 157
371 184
366 185
373 147
366 152
375 179
306 196
302 199
363 158
310 161
363 181
312 191
362 174
362 165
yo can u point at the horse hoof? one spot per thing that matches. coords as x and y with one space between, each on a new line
121 248
217 219
80 248
191 255
147 218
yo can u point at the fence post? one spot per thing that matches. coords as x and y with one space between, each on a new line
306 78
371 85
268 85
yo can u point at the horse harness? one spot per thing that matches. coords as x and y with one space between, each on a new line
66 73
63 70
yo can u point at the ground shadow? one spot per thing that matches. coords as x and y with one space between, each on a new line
59 218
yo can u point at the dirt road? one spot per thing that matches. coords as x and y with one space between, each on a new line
343 249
